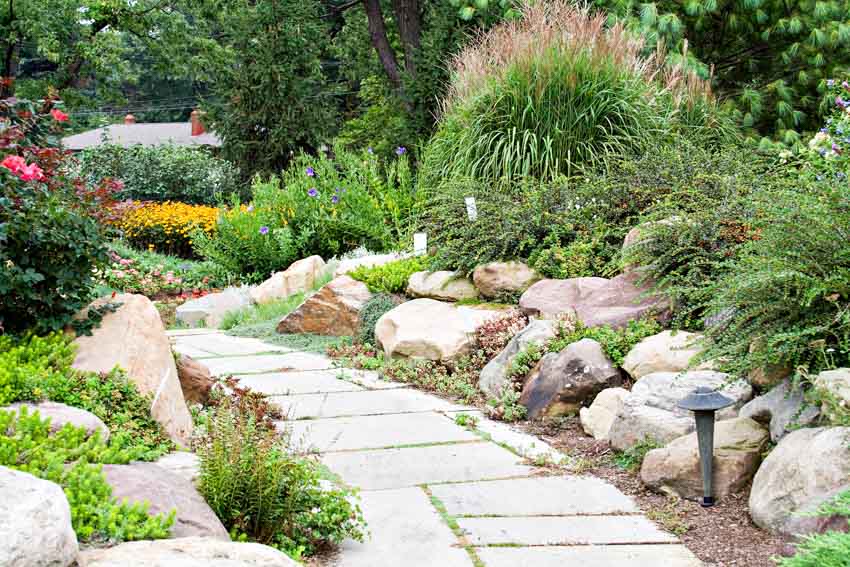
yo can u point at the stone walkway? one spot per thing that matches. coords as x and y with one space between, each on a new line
436 494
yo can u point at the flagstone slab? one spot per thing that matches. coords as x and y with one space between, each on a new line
188 350
376 431
563 530
291 361
340 404
303 382
526 445
372 380
539 496
220 344
405 530
589 556
190 332
413 466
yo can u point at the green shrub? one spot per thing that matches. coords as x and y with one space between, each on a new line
162 173
830 549
36 368
557 90
67 458
391 277
262 492
271 312
632 458
249 242
372 310
615 342
786 300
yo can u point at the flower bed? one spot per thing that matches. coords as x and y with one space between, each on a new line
167 227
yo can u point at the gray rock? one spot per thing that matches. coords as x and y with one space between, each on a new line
181 463
783 407
650 410
675 468
35 522
60 414
569 379
443 285
597 419
186 552
836 385
497 279
494 375
807 468
594 301
667 351
165 491
209 310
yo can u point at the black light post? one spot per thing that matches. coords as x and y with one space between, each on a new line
704 402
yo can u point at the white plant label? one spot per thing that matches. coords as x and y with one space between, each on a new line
471 208
420 243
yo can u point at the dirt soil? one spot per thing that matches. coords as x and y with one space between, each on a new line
722 535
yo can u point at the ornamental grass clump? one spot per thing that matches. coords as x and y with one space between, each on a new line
559 89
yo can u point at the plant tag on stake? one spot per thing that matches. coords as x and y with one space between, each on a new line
471 208
420 243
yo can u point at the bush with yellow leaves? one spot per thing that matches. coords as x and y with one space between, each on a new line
167 227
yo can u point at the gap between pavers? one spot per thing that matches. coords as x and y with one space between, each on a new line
376 431
293 383
659 555
227 345
414 466
563 530
366 402
289 361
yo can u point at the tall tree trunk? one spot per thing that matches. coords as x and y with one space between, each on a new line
409 29
378 34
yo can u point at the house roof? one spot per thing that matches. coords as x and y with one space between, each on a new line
146 134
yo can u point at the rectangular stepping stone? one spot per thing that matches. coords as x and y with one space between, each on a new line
397 468
526 445
181 348
359 403
371 380
590 556
224 345
376 431
189 332
267 363
405 530
539 496
300 382
563 530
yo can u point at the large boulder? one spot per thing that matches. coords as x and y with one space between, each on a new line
444 286
675 468
165 491
186 552
371 261
209 311
783 408
594 301
668 351
835 386
497 279
597 419
60 415
494 375
181 463
300 276
134 338
806 469
429 329
569 379
650 410
35 522
333 310
195 380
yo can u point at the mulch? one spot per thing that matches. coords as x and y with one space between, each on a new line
722 535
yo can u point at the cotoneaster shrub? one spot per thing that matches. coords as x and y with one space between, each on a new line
556 90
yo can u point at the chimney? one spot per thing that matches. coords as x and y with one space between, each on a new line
195 119
129 119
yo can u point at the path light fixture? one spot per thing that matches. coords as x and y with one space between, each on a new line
704 402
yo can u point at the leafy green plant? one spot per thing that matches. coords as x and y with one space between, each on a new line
372 310
507 407
28 362
615 342
260 490
460 380
273 311
67 458
391 277
557 90
829 549
466 420
632 458
162 173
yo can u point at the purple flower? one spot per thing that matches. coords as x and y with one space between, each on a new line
313 192
264 230
311 172
830 83
335 199
400 150
846 85
369 150
250 208
839 102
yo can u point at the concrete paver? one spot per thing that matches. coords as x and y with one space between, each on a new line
359 403
563 530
